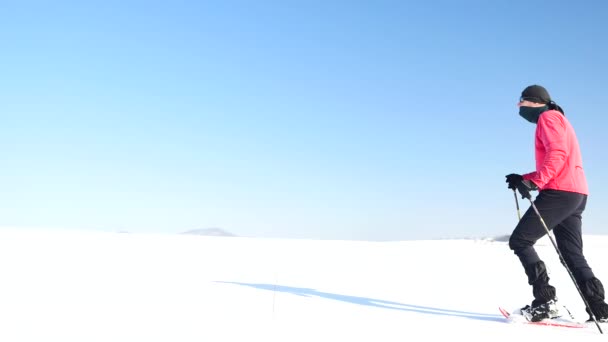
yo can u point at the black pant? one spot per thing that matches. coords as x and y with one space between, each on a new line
561 211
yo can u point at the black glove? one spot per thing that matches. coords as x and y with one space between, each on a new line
513 179
523 186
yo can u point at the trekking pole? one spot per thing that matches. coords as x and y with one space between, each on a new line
517 204
561 258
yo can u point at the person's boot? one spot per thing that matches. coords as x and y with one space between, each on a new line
594 293
539 311
544 304
600 310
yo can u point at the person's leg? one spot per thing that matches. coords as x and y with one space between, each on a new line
568 235
569 239
554 207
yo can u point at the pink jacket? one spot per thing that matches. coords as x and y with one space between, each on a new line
559 165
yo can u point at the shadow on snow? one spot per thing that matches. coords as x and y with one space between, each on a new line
305 292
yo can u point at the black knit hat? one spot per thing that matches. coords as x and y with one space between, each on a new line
536 94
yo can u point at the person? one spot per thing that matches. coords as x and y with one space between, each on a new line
562 186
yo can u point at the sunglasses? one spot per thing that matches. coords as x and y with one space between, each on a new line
531 99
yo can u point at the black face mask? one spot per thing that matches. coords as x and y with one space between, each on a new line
532 113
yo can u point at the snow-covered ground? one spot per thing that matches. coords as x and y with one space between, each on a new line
90 286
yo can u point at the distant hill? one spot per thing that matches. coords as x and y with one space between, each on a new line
502 238
209 232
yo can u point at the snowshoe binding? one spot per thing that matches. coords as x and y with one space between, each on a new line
548 310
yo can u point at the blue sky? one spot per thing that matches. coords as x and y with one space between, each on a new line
380 120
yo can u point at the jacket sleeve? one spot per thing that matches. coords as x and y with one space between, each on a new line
552 135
